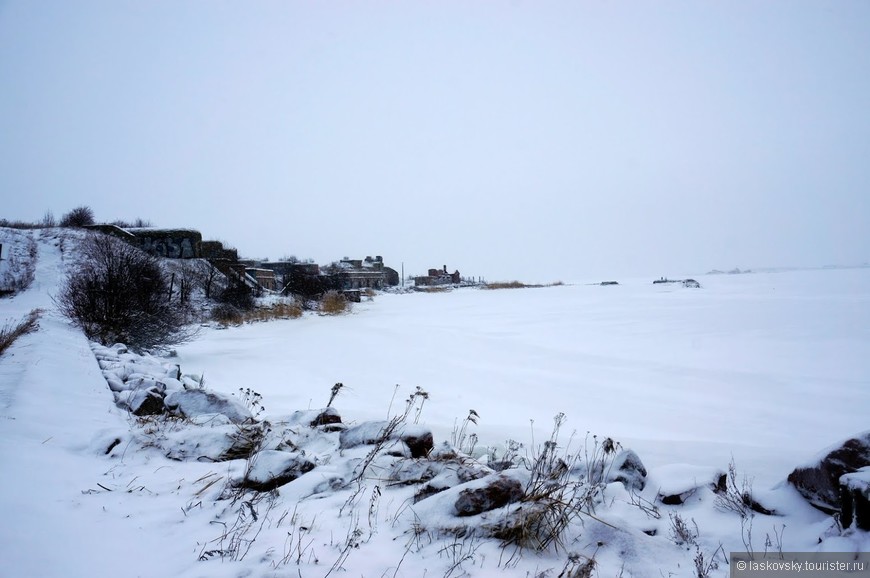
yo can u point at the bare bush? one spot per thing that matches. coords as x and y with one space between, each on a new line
79 217
119 293
681 532
237 294
737 497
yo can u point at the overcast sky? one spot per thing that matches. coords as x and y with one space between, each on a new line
512 140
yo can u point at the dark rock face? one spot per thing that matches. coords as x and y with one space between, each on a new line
676 499
500 492
855 499
420 442
628 469
148 402
819 483
327 416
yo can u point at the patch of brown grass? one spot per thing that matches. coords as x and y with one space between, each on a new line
518 285
229 315
277 311
433 289
11 332
334 303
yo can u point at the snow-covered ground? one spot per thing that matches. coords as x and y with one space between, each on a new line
762 370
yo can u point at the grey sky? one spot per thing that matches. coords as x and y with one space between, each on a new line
531 140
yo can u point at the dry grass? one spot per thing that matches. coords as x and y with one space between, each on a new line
518 285
277 311
334 303
10 333
433 289
229 315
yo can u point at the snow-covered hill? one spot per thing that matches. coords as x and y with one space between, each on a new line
760 371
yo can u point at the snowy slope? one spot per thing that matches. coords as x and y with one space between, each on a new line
756 367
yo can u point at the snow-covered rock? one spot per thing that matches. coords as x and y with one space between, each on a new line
498 491
628 469
145 401
818 481
210 439
193 402
271 469
676 483
366 433
418 439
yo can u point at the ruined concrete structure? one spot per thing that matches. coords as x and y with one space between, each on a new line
367 273
438 277
170 243
265 278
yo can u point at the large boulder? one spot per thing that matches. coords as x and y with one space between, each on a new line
271 469
499 492
195 402
819 481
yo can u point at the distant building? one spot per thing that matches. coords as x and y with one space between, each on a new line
438 277
265 278
366 273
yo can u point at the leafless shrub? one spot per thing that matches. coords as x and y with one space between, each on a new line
385 437
460 438
226 314
681 532
48 220
351 542
554 495
704 565
578 566
298 543
79 217
236 540
737 495
119 294
460 551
